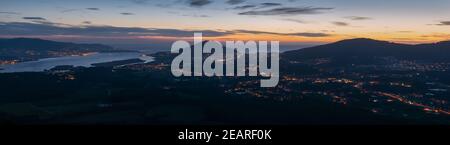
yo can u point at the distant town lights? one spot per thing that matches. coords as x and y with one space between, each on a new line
257 56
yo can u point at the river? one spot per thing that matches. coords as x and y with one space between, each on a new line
86 61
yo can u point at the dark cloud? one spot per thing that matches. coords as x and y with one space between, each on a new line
444 23
195 15
357 18
311 34
199 3
302 34
340 23
296 21
26 29
270 4
235 2
80 10
287 11
244 7
254 32
258 6
87 22
93 9
34 18
53 29
127 14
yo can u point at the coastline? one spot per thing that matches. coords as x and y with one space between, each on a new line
86 60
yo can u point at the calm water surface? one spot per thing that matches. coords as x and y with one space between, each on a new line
86 61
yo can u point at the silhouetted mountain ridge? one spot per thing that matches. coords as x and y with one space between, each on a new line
33 43
362 48
23 49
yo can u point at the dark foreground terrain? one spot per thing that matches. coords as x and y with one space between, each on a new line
317 89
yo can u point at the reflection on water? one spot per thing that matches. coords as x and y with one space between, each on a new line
86 61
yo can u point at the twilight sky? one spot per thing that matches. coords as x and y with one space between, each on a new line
144 22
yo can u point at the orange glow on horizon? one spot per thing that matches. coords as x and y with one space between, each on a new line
396 38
